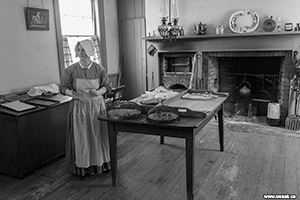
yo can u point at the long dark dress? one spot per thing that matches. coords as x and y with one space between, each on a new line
87 148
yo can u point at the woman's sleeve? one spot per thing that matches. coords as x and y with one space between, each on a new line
105 81
66 81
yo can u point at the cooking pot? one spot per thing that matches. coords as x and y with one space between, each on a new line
245 88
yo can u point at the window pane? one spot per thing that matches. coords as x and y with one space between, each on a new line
76 17
75 7
77 26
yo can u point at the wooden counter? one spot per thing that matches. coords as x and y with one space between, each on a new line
31 138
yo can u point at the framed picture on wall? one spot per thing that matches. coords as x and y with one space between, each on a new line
37 18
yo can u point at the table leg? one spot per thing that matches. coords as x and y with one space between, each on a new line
162 139
221 128
189 156
113 152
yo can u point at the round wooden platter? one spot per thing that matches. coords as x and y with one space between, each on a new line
163 115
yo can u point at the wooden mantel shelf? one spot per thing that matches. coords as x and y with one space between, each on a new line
226 35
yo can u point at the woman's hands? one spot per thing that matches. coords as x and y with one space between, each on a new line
94 92
98 92
83 97
87 94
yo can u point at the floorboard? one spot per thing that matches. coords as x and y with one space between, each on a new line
266 173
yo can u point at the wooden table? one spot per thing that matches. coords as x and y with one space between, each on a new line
186 128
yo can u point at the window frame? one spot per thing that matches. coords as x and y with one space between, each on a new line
99 26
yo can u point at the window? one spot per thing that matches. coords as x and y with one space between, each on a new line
77 23
76 17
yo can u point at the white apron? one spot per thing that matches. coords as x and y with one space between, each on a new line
90 134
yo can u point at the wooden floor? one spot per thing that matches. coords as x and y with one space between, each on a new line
257 160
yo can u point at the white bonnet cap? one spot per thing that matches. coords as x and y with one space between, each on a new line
88 47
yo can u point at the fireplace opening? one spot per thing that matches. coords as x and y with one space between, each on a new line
258 76
266 74
175 69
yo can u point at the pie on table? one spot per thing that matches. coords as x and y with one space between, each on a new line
123 113
162 116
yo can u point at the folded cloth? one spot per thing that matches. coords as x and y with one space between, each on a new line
45 89
88 47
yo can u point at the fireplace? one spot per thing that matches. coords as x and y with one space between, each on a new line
265 73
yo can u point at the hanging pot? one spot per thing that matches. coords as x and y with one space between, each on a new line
245 91
245 88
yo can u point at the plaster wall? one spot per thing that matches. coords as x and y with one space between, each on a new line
216 12
28 58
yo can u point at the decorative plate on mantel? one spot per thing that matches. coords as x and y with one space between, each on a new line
244 21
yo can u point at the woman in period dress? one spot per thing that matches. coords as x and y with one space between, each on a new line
87 146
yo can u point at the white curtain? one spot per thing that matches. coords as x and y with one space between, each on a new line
97 56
